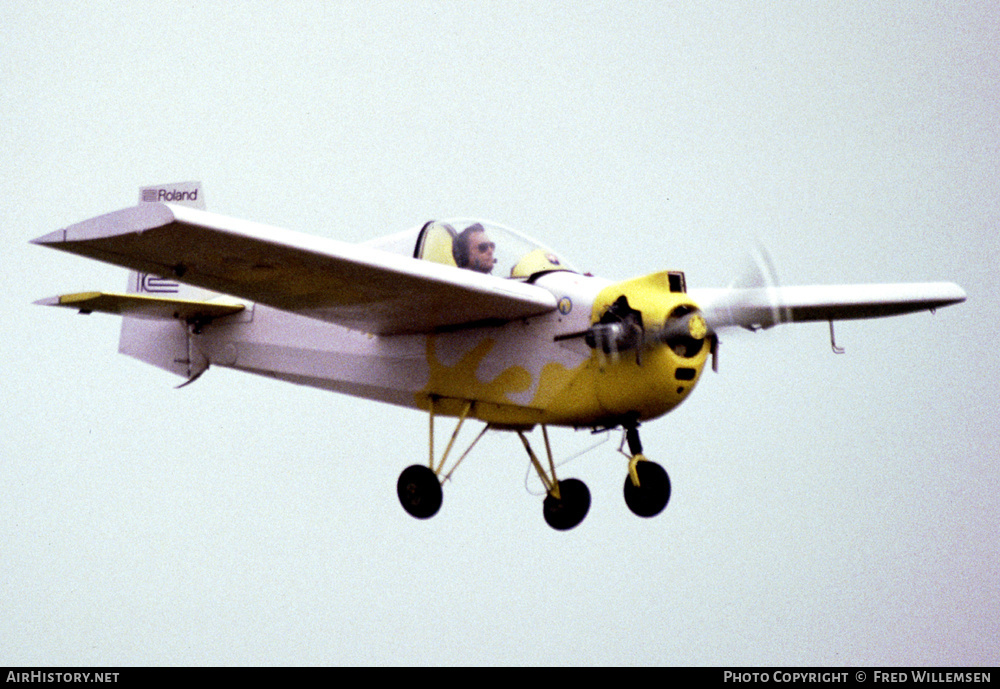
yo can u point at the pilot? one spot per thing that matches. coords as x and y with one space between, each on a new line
472 249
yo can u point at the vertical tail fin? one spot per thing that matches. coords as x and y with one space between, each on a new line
166 344
179 193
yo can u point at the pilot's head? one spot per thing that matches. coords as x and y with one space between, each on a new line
474 250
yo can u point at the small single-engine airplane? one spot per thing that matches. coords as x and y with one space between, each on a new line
459 318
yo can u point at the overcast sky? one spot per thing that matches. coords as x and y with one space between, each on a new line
826 509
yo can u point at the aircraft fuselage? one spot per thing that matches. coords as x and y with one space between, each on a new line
520 373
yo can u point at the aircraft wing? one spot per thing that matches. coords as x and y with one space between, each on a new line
355 286
764 307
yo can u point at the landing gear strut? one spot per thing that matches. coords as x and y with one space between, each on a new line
419 487
646 489
647 486
568 501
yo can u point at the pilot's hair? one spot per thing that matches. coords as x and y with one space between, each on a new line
460 247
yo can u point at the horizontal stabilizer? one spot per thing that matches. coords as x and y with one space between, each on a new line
138 306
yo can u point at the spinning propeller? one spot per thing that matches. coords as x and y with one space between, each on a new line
752 302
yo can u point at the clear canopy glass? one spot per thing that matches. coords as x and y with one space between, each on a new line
481 246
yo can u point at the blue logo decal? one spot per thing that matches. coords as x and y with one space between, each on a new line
157 285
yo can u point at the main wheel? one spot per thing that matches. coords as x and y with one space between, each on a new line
571 507
419 491
653 492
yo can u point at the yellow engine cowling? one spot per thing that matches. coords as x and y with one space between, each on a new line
653 377
657 348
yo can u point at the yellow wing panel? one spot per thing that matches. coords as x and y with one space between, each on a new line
139 306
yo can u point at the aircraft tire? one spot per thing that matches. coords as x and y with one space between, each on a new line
419 491
571 508
653 492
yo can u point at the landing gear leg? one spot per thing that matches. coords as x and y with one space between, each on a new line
568 501
647 486
419 487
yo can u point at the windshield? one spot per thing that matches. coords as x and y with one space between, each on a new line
485 247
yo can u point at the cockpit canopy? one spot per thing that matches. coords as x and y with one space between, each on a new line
478 245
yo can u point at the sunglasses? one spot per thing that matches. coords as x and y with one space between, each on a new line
483 247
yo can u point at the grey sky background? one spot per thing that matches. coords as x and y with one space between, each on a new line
826 509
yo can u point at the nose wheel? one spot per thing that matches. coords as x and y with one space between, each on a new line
647 486
651 495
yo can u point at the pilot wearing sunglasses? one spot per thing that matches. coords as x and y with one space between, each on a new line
474 250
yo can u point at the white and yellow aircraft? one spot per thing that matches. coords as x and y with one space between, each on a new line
457 318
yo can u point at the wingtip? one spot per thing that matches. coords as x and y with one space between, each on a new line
953 293
56 237
68 299
139 218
